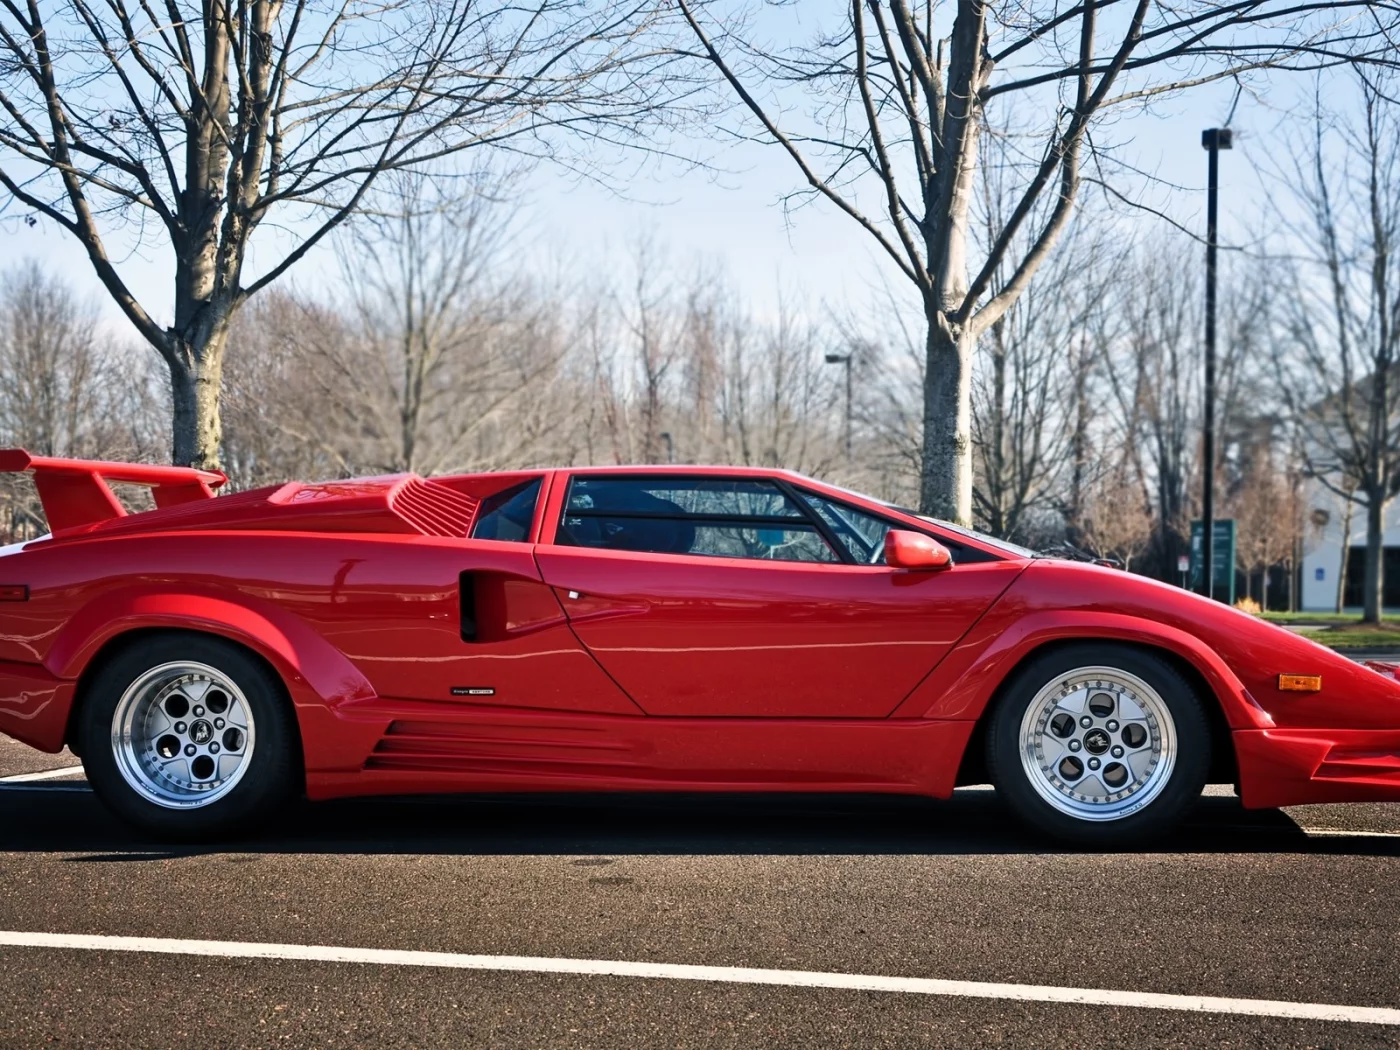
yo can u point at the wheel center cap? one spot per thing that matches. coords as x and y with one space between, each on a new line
1095 741
201 732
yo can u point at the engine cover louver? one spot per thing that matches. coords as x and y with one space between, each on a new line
433 509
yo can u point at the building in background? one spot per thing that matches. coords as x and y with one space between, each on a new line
1332 532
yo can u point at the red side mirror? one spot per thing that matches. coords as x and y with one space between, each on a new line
914 550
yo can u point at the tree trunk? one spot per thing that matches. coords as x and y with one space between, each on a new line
1079 456
1375 556
1347 516
946 483
195 378
1295 562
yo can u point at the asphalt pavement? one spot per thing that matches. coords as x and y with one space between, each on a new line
1294 907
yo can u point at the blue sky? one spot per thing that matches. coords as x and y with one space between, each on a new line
732 222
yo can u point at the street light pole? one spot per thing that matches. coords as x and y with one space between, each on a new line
844 359
1213 140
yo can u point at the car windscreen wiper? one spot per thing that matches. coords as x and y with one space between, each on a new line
1070 552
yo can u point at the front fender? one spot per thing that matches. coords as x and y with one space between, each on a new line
318 676
965 681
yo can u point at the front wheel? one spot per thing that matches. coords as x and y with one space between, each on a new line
187 736
1100 744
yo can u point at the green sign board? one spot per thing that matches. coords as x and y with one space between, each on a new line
1223 555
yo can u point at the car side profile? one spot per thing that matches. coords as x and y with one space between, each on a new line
670 628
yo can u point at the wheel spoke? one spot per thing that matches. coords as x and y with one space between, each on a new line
1095 778
1139 762
1129 710
1073 703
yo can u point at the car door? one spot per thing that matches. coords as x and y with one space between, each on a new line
734 597
463 621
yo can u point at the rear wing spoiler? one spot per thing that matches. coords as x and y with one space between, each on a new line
75 492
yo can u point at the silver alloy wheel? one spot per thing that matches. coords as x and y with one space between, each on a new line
1098 743
182 735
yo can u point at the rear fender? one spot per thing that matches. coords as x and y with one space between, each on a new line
318 676
967 680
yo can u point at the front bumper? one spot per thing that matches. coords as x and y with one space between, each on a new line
1289 767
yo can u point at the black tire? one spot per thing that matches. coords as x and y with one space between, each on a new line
1182 787
273 770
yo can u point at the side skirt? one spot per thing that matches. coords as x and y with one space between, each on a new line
449 748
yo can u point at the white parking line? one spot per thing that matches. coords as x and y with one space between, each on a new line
48 774
718 974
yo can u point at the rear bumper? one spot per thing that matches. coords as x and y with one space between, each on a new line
34 705
1289 767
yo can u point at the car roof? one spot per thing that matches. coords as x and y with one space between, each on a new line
690 470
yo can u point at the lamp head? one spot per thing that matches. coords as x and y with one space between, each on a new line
1216 138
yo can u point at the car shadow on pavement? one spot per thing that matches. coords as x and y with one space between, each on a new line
71 820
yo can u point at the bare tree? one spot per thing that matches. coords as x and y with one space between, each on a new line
1148 335
1031 391
653 328
1148 344
897 112
65 388
1085 366
701 381
887 345
1117 519
1338 358
277 423
1265 504
1348 491
212 121
435 356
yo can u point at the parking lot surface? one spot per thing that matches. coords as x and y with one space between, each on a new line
1298 907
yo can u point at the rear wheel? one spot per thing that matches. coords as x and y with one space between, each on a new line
188 736
1099 743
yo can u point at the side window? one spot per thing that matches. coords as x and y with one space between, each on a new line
717 517
507 515
862 534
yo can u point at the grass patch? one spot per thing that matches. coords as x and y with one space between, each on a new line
1309 617
1354 635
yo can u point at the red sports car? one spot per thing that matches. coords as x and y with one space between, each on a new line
638 628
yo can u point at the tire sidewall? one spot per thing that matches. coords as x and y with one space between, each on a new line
271 772
1188 774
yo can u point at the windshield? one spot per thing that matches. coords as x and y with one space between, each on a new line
980 537
1014 549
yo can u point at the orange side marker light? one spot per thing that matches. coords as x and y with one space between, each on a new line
1300 683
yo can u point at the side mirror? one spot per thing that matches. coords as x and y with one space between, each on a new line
914 550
